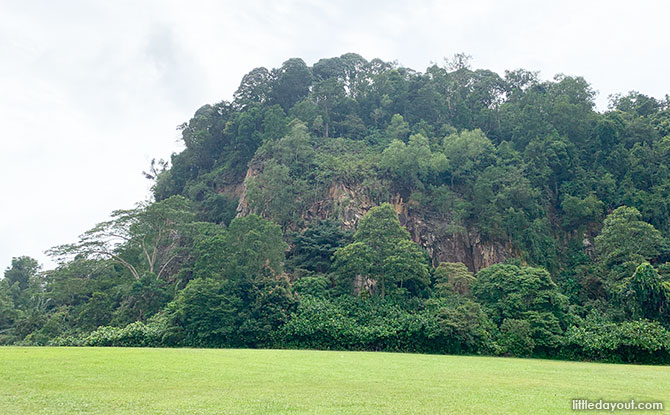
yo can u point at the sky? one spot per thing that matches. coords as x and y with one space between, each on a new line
91 91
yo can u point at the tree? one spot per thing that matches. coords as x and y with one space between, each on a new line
453 277
292 83
625 240
23 305
254 88
329 68
8 314
414 163
465 326
516 337
145 239
327 94
644 295
142 299
96 312
398 129
580 211
313 248
295 150
549 162
523 293
256 245
239 295
407 267
282 188
380 229
460 61
354 268
206 314
275 123
22 270
250 248
273 193
271 304
504 202
24 283
382 256
467 152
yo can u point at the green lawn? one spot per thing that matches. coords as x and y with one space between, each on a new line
36 380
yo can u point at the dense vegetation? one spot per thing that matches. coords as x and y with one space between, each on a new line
243 246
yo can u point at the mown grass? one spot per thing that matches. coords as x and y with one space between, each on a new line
36 380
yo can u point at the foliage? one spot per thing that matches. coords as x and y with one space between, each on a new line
146 238
468 152
250 247
135 334
581 211
638 341
453 277
412 164
524 293
465 328
516 337
23 269
293 196
206 314
644 295
313 248
312 286
382 257
626 236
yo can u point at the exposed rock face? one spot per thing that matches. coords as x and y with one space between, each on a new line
466 247
241 190
432 231
426 228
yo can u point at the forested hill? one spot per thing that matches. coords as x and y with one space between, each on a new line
481 167
362 205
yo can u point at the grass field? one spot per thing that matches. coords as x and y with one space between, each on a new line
190 381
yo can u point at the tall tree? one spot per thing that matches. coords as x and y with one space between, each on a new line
145 239
254 88
292 83
382 255
524 293
23 268
453 277
626 238
645 296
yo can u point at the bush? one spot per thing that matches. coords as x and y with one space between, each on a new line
524 293
463 328
375 324
135 334
207 313
516 338
640 341
314 286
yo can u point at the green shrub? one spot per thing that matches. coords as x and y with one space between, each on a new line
516 338
640 341
314 286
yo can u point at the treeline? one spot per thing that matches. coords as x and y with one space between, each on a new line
373 290
582 197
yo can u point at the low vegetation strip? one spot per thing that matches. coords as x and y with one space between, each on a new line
35 380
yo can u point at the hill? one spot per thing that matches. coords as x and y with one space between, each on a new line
361 205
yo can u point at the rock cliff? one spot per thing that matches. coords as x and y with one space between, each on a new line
435 233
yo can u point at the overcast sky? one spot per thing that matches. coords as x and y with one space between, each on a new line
91 91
